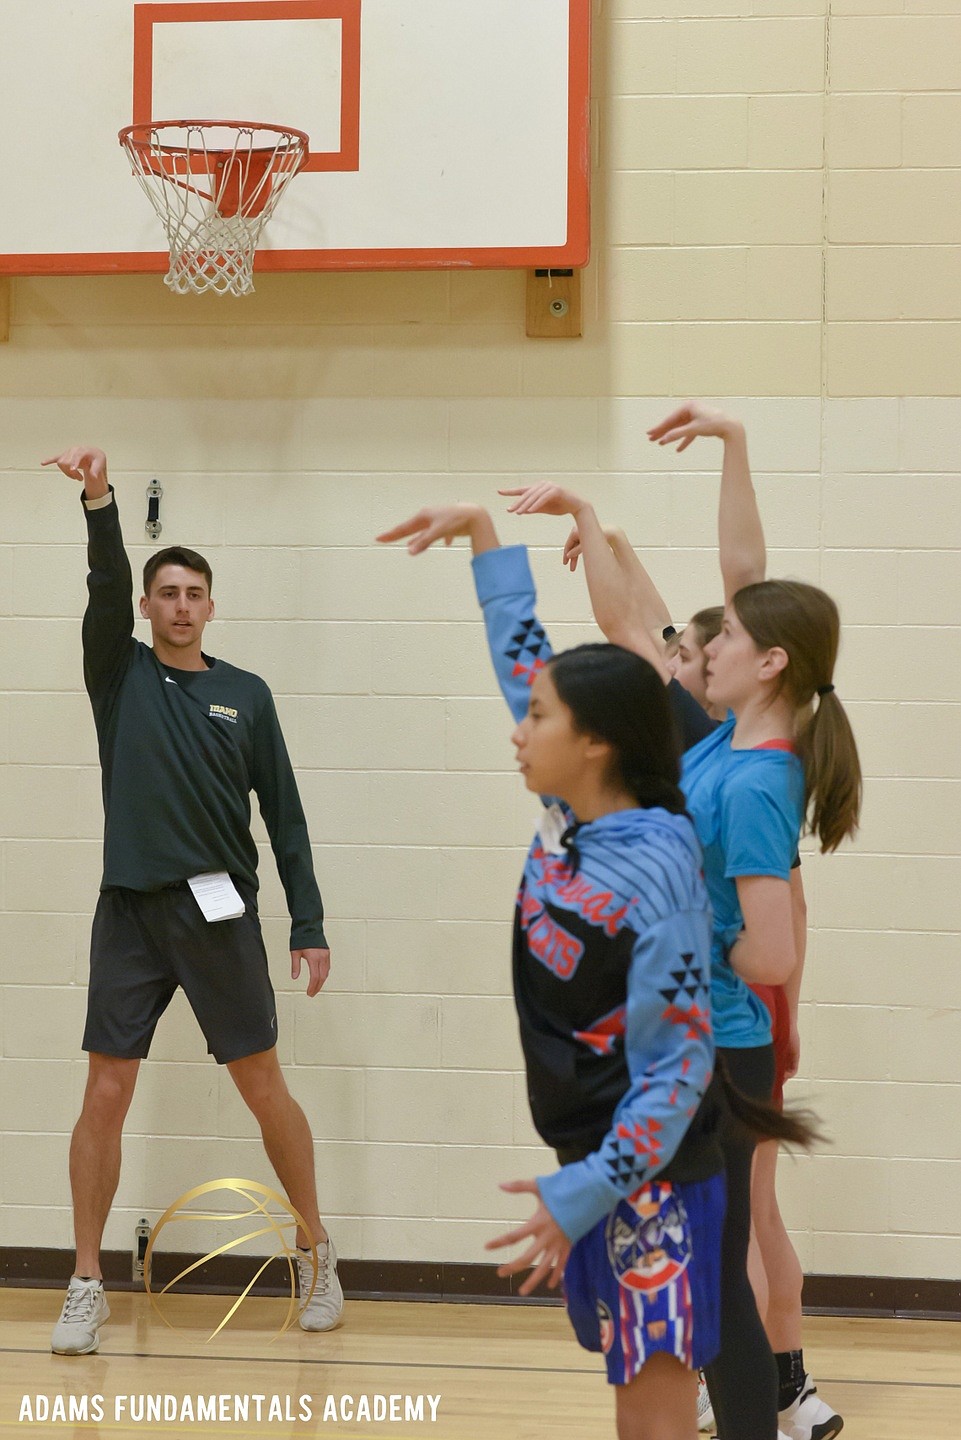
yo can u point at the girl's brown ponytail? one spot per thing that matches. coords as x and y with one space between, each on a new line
803 621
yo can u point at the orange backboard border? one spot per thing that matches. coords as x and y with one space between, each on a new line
574 253
147 17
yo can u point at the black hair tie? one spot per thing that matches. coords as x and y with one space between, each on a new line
825 689
569 842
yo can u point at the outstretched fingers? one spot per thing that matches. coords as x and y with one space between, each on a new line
532 497
693 418
386 537
681 425
420 532
79 461
436 522
536 1255
513 1237
548 1250
550 1269
686 434
544 1257
681 416
545 498
400 532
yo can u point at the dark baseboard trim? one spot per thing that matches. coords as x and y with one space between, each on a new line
882 1296
871 1295
225 1275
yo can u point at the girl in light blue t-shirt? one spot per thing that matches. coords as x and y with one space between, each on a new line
748 806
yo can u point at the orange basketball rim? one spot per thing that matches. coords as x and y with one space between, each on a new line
214 184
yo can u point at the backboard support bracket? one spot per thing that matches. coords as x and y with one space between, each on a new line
554 304
152 526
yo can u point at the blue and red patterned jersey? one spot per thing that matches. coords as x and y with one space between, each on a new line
612 944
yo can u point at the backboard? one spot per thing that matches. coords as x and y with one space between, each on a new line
443 132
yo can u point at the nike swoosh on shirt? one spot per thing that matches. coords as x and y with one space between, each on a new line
169 681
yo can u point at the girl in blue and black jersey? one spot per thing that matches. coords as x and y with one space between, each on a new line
611 936
611 981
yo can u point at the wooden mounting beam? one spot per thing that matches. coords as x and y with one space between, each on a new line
554 304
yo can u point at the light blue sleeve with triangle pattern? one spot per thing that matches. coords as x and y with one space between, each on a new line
517 641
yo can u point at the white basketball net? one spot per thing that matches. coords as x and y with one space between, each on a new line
214 185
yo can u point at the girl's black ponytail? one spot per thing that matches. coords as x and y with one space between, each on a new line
788 1127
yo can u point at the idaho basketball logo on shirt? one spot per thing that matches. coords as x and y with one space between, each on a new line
648 1238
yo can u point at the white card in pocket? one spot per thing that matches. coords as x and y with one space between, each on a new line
217 896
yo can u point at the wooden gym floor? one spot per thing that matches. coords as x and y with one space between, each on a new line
501 1372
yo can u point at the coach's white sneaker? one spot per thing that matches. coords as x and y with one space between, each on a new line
77 1332
809 1418
325 1306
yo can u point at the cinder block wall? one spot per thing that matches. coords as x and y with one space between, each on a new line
777 215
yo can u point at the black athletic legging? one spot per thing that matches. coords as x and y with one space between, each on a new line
743 1380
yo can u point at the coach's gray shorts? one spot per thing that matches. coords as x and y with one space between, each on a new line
146 943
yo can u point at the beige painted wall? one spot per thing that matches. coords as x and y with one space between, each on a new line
777 215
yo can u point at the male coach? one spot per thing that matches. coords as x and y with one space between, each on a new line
183 739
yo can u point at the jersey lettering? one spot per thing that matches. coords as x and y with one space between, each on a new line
578 892
549 942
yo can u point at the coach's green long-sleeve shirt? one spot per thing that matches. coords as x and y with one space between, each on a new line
181 751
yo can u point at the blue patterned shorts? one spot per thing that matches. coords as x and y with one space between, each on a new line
647 1278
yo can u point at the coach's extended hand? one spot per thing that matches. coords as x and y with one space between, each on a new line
84 463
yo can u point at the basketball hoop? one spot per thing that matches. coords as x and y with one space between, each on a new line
214 184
